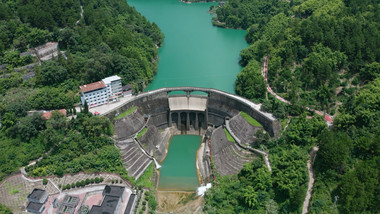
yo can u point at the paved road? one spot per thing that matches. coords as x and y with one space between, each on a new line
113 105
327 117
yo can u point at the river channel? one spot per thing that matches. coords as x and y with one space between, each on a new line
194 53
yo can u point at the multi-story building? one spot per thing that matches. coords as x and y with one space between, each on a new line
101 92
94 94
114 88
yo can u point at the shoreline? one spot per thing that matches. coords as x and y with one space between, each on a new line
190 2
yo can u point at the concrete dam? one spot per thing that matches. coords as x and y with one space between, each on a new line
161 113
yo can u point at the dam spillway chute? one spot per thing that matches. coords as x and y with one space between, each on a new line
156 163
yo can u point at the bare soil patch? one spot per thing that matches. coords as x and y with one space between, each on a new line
178 202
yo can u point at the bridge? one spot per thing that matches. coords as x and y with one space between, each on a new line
196 110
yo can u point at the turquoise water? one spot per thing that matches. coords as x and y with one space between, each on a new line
178 171
194 52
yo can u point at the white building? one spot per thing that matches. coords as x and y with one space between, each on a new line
114 88
101 92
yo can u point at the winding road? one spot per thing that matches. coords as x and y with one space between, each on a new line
327 117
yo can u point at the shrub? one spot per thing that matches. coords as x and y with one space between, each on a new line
73 185
152 203
44 181
97 180
92 180
101 179
88 181
144 203
112 181
355 81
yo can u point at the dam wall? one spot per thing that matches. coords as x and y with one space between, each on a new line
127 126
155 104
219 106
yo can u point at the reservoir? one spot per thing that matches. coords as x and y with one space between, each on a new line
178 171
194 52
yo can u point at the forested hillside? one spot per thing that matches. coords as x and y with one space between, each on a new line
110 39
322 54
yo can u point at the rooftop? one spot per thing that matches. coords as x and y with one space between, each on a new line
92 86
36 194
128 209
110 79
47 45
127 87
108 206
34 206
113 190
47 115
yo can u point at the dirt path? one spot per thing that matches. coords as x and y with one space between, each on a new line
327 117
81 14
310 169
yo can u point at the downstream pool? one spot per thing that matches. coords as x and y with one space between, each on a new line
194 52
178 171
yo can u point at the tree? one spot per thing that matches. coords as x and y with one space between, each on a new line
358 191
5 210
85 110
97 126
322 63
250 196
289 171
56 121
333 151
370 71
51 73
324 95
271 207
59 171
8 120
29 127
250 82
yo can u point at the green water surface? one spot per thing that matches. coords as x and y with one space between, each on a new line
178 171
194 52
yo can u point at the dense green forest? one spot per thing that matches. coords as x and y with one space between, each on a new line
322 54
110 39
